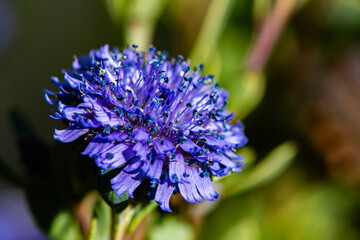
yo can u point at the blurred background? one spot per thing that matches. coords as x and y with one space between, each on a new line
292 68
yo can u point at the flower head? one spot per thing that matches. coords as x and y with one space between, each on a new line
152 117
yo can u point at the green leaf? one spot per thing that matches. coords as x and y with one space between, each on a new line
246 93
101 222
143 212
171 229
268 169
117 202
211 30
65 227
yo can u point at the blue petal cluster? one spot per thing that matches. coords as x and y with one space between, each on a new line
154 118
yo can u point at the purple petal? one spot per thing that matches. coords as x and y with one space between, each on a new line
49 100
69 134
112 157
72 81
176 168
163 146
140 134
70 113
204 185
141 150
155 169
223 160
233 155
116 136
163 194
130 177
190 147
189 190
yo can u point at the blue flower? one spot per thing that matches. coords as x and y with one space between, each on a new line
154 118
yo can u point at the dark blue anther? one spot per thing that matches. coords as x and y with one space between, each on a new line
139 111
149 156
183 140
186 175
149 120
187 69
120 98
153 183
127 126
106 129
172 156
152 130
199 122
201 66
175 177
109 155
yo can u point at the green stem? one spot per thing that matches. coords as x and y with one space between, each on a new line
211 30
121 222
140 215
141 20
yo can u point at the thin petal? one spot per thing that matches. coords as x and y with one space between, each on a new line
190 147
69 134
188 189
176 168
155 169
204 185
163 194
140 134
163 146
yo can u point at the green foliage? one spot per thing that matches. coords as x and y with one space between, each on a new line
64 226
104 185
269 168
101 222
171 228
